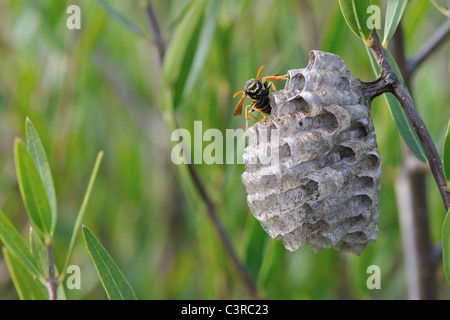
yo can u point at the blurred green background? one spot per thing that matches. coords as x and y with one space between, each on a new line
98 88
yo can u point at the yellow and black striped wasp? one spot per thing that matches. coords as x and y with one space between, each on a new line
258 90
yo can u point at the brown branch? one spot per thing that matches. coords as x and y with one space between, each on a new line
154 26
394 85
429 47
212 214
198 183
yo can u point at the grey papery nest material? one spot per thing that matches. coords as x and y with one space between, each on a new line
313 169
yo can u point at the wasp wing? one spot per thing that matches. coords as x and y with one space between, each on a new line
238 109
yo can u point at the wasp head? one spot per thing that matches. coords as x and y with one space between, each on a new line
253 88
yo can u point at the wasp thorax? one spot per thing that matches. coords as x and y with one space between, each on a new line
323 189
249 84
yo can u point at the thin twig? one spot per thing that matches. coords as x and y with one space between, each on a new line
429 47
154 26
396 87
212 213
198 183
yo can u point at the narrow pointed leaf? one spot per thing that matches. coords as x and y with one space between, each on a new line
254 255
394 13
39 253
27 287
82 211
401 119
115 284
273 261
33 191
15 244
446 153
446 246
203 47
39 157
179 59
356 15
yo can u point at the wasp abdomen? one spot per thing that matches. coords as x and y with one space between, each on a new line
263 104
259 92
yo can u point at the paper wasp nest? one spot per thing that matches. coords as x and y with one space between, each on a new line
315 179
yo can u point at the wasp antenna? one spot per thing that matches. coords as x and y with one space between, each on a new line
259 71
237 93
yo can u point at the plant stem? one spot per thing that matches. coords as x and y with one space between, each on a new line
52 284
394 85
154 26
212 213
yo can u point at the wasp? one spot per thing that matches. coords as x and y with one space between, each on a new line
258 90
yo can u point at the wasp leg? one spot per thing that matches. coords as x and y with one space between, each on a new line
250 113
276 77
270 83
264 119
246 117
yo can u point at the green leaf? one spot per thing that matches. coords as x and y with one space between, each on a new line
39 253
273 261
39 157
27 287
255 249
115 284
394 13
446 246
405 127
402 122
33 191
204 45
120 18
401 119
82 211
180 55
356 15
15 244
60 293
446 153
